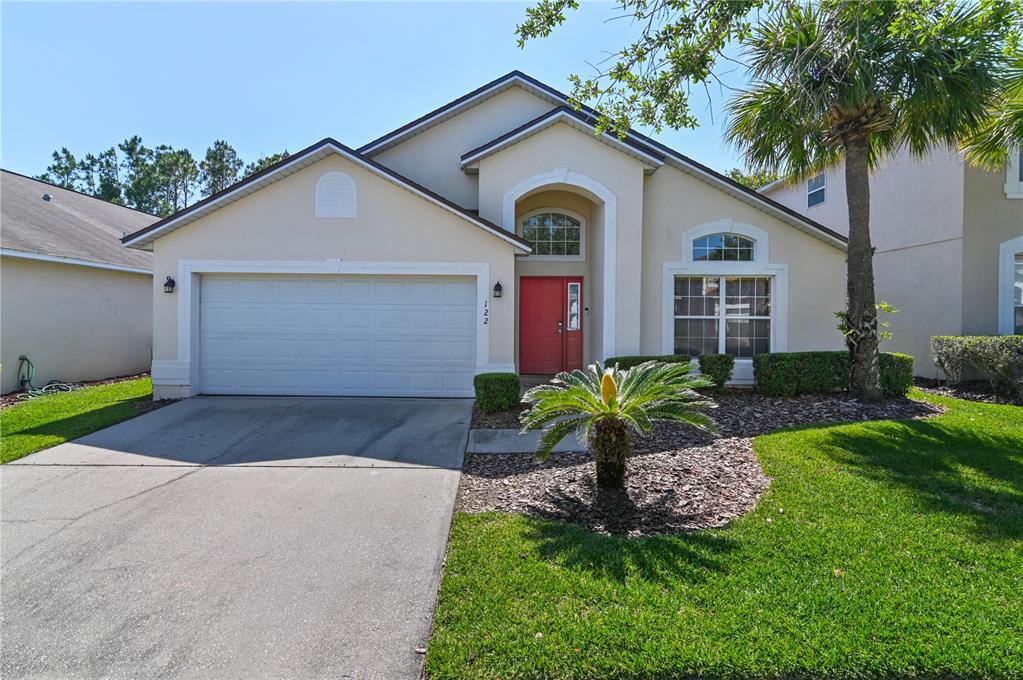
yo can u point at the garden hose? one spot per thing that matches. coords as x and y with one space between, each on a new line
27 371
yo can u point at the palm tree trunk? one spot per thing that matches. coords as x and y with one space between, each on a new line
862 338
610 447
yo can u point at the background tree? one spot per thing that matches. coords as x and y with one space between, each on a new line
754 179
264 162
177 175
219 169
139 183
831 79
63 171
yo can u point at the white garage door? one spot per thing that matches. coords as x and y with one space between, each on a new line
337 335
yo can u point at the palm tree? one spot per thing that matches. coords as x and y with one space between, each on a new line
602 405
851 79
1002 131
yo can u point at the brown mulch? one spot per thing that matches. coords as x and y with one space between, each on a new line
14 397
680 480
971 390
501 420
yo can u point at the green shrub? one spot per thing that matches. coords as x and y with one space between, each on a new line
635 360
717 367
896 374
995 358
497 391
787 374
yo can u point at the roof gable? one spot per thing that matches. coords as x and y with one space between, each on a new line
670 156
294 163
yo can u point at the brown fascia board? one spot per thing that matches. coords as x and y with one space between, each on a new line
589 112
299 155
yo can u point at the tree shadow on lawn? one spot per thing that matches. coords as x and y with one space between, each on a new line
687 557
74 426
952 469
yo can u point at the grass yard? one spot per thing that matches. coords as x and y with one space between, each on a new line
883 549
43 422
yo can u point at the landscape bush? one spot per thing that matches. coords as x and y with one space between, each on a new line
787 374
717 367
625 362
995 358
497 391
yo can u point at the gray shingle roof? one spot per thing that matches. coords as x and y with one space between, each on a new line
70 224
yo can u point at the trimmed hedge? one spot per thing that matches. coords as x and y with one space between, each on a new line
497 391
717 367
996 358
787 374
635 360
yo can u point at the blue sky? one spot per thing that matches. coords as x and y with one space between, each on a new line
268 76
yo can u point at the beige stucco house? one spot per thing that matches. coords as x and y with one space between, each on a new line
948 241
496 233
72 298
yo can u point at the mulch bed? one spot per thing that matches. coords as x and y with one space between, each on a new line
15 397
501 420
680 480
971 390
153 404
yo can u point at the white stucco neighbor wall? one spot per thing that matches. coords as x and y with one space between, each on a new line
275 230
73 322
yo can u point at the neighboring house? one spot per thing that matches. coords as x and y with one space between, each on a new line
497 233
948 241
73 300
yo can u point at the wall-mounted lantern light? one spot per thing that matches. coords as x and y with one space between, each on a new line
497 289
168 285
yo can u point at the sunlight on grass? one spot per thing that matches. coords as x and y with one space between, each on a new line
43 422
882 549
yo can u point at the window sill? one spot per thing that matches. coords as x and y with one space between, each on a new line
553 258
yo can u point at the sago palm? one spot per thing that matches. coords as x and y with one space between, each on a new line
836 79
602 406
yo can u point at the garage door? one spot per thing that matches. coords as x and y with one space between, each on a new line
337 335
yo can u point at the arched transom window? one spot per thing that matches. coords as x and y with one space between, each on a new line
554 233
723 248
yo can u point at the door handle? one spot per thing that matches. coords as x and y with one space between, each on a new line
561 326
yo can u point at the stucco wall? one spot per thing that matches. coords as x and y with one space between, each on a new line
433 157
676 202
564 147
278 223
74 323
989 219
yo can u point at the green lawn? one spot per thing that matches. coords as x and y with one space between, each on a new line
882 550
47 421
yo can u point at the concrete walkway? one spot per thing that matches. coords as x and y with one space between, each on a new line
232 538
485 440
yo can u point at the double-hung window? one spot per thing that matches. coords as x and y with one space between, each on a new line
815 190
723 315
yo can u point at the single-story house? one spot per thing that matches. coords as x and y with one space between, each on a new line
496 233
73 300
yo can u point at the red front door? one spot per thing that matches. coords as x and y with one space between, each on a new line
550 324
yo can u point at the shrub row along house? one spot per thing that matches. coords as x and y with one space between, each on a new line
496 233
948 239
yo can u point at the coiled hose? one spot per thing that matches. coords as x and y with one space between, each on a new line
27 371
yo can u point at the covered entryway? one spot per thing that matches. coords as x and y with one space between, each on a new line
337 335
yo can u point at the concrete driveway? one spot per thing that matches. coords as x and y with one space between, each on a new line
232 538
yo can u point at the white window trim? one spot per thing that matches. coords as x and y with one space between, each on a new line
183 372
824 188
583 226
1006 280
610 228
760 266
1013 184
